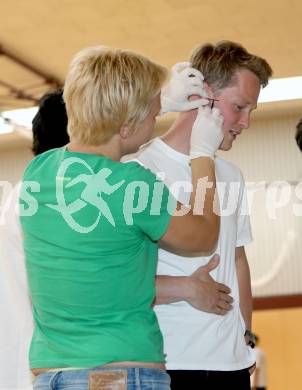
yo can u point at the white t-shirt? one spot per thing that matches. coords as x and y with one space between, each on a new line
16 323
193 339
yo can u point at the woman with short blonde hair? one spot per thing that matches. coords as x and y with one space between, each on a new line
91 243
107 88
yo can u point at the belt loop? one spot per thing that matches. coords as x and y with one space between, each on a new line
137 378
54 380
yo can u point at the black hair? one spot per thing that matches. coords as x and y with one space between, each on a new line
49 125
299 134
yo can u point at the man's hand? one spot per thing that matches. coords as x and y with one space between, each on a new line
206 294
184 82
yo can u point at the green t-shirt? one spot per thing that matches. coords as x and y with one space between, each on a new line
90 228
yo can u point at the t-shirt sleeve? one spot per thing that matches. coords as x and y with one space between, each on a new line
148 203
244 231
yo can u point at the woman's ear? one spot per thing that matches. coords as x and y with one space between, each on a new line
125 131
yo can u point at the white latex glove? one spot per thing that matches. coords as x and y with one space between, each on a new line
184 82
207 133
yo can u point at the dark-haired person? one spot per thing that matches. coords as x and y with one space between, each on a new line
90 240
49 128
49 125
207 343
299 135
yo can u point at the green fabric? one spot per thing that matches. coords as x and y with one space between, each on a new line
92 291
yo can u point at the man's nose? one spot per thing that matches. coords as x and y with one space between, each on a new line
245 121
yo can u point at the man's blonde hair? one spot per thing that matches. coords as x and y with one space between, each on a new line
106 88
219 63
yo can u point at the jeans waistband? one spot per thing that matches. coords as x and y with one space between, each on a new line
137 377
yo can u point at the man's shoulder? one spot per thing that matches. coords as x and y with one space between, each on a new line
226 164
149 156
147 149
228 169
134 170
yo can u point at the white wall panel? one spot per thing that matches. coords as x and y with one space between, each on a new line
14 156
268 152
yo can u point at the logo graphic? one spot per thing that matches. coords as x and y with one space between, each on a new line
96 185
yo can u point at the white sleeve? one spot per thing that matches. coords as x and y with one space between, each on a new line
244 231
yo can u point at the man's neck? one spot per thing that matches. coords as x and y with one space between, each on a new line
179 134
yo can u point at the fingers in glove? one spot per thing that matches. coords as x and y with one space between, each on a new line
217 114
204 110
195 90
214 112
192 73
191 105
193 81
180 66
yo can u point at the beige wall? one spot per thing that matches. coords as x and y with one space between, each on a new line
15 153
281 339
267 152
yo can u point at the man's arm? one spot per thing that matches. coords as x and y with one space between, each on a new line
244 283
199 290
255 379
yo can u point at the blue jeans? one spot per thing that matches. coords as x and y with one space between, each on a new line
137 379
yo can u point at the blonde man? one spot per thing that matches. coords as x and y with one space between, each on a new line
203 347
92 225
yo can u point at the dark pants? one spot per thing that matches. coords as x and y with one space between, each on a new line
210 380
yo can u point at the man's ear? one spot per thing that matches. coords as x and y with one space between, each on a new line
208 90
125 131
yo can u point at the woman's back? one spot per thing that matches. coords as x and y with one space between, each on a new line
90 270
